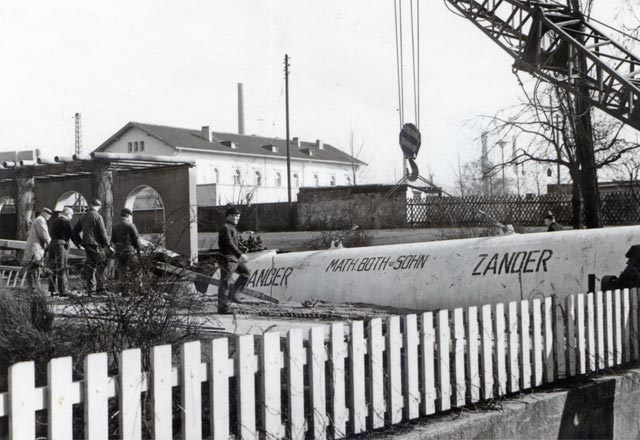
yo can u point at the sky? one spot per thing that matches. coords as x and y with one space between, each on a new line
178 63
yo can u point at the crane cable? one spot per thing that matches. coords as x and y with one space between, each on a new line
415 57
399 61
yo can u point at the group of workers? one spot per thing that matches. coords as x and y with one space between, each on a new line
47 249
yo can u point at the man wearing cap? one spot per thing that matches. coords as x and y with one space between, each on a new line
126 242
61 233
232 260
550 221
95 242
37 242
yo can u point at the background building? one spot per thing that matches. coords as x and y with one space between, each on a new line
237 168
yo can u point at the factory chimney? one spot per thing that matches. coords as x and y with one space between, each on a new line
240 110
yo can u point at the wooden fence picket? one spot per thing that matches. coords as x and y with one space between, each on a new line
500 350
617 327
486 331
537 342
357 350
459 388
394 370
581 348
295 393
626 326
132 382
570 305
22 406
96 397
473 354
161 390
245 370
270 358
339 413
592 352
317 382
411 383
525 346
428 367
609 328
59 400
548 337
635 345
513 349
190 387
376 379
600 336
220 369
559 314
443 361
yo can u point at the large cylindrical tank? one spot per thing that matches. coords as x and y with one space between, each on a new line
447 274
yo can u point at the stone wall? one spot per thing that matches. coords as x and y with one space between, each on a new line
368 206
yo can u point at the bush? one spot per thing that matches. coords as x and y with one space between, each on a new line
348 237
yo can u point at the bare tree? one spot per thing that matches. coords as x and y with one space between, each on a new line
355 149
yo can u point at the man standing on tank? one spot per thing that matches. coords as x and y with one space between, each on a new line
96 245
232 260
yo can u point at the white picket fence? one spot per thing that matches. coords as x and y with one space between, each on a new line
342 379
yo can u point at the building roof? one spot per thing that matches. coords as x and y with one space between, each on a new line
245 144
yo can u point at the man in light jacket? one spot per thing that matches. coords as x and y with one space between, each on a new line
37 242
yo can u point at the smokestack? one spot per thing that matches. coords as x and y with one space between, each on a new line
240 110
205 133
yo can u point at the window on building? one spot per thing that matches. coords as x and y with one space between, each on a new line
135 146
333 181
237 177
216 176
278 179
316 180
141 145
130 147
258 179
296 181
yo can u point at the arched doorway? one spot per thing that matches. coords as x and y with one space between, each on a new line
73 200
7 217
148 213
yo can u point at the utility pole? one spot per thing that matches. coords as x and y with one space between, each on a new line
286 89
504 187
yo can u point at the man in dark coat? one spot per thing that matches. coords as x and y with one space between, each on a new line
550 221
126 243
96 246
232 260
61 232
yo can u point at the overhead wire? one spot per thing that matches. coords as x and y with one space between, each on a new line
398 64
413 67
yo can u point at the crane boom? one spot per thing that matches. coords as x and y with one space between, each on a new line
553 42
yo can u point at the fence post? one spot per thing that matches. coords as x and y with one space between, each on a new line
270 386
500 350
338 354
427 368
538 345
411 385
458 358
245 383
514 368
487 352
394 370
600 330
220 368
357 347
548 339
592 351
376 380
317 382
525 346
443 363
473 354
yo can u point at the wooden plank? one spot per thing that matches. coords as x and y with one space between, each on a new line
626 326
514 348
317 382
500 350
295 391
525 346
549 375
427 367
570 325
190 386
245 369
270 385
357 350
459 390
96 397
600 333
394 370
339 413
411 383
486 330
592 351
617 327
59 401
22 405
443 362
581 349
473 354
560 347
161 386
376 380
131 381
635 336
609 335
220 369
537 343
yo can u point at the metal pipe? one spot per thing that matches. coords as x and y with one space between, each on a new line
44 161
24 163
9 164
140 157
64 159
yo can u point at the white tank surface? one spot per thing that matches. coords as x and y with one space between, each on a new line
448 274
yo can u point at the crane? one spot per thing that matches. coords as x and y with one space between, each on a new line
557 43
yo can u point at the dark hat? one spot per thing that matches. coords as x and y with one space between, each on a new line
231 210
125 211
96 202
47 211
549 215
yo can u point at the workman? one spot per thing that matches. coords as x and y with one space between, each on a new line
96 247
61 232
126 243
550 221
37 242
232 260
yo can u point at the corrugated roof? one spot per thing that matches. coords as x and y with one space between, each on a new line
246 144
